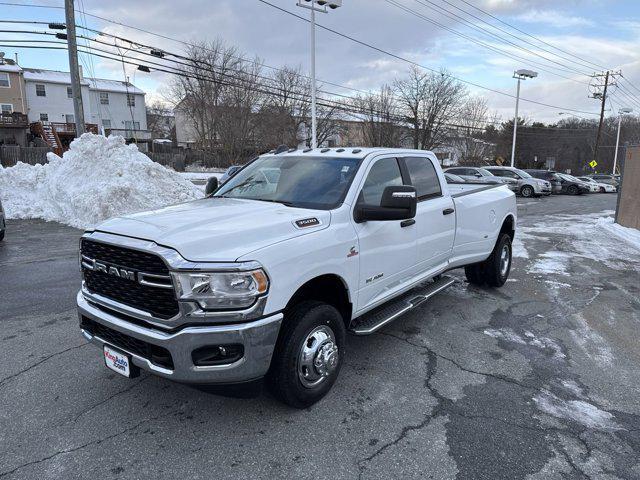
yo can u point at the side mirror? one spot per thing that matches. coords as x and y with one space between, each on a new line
397 203
212 186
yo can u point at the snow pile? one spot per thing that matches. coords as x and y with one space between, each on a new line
98 178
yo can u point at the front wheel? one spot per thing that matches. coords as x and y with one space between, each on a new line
573 190
527 191
308 355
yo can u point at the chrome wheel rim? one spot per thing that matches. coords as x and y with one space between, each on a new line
526 192
318 357
505 259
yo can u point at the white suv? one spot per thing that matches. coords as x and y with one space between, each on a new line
528 186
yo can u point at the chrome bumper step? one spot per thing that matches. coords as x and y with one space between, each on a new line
377 318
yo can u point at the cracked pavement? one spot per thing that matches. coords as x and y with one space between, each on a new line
537 380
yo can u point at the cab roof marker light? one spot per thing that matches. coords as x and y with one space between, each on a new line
325 150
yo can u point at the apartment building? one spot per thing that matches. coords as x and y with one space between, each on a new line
13 119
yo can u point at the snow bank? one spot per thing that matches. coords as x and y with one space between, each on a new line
96 179
630 235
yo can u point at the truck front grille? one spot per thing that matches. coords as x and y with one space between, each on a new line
156 300
155 354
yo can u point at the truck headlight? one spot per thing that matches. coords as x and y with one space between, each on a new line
222 290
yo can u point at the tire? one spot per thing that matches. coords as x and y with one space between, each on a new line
475 274
602 190
527 191
312 324
493 271
498 265
573 190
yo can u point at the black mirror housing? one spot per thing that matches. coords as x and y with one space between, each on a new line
398 203
212 186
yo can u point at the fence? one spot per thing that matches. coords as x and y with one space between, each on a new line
12 154
175 158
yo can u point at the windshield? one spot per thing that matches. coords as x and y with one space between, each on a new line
522 173
306 182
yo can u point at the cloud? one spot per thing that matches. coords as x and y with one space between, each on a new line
554 18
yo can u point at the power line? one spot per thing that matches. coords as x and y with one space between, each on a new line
531 36
336 33
453 16
524 40
411 62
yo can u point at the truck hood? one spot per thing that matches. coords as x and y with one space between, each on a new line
218 229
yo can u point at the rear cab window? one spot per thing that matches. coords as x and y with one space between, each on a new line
423 177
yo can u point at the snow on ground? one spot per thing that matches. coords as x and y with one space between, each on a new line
591 236
98 178
575 410
627 234
552 262
529 338
199 177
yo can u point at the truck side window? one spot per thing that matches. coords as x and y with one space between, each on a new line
384 173
424 177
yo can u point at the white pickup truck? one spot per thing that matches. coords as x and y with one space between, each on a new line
264 277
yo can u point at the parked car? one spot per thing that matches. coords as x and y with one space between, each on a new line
604 178
480 175
229 172
548 175
572 186
602 187
256 281
453 178
528 186
3 223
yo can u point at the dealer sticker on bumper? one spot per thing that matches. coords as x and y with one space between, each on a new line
117 361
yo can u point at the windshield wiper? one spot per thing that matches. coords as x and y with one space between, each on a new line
283 202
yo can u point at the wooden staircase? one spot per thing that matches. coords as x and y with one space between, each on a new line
48 133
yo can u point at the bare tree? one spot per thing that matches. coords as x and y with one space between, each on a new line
380 126
429 101
472 148
198 92
288 106
236 113
160 120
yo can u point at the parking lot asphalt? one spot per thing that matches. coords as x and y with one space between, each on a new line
537 380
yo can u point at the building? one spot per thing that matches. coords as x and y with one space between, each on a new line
112 106
13 107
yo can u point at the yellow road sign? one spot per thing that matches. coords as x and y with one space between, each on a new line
593 164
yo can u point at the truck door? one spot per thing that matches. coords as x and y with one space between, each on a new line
435 216
387 248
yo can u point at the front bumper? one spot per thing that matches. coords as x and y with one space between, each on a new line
258 338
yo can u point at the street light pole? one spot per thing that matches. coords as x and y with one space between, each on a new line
515 126
615 155
322 4
314 142
521 74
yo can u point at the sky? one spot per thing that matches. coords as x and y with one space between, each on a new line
580 37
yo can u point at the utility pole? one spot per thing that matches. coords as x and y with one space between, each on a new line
604 99
72 47
600 92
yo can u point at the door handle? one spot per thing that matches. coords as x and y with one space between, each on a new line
448 211
407 223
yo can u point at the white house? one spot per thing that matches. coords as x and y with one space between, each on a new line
115 106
